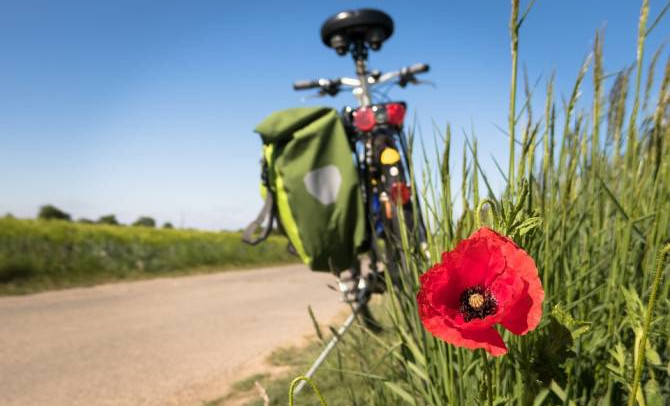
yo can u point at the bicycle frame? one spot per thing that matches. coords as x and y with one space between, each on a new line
378 143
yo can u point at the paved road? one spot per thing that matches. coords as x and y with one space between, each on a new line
172 341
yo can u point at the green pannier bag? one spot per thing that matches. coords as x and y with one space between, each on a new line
310 186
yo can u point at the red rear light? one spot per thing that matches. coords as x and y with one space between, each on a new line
395 113
364 119
400 192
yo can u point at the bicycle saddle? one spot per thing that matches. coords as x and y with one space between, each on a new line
368 26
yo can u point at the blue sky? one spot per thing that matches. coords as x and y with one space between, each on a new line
147 107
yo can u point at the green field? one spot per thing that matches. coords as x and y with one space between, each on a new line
38 254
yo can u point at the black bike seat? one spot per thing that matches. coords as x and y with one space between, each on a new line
357 25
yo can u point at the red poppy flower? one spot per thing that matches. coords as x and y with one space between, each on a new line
486 280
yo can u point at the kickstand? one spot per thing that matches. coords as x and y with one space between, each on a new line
329 347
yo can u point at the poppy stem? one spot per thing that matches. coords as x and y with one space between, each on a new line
488 378
639 364
492 207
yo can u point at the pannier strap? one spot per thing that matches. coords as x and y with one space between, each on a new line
267 212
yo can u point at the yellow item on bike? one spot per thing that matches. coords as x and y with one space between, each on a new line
390 156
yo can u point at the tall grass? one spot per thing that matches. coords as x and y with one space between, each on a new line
588 197
40 254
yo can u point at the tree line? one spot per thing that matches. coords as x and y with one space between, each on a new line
51 212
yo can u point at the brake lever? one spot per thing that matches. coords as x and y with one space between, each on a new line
317 95
403 82
406 78
425 82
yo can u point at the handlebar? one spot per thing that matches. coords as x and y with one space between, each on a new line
332 86
418 68
327 86
306 84
407 73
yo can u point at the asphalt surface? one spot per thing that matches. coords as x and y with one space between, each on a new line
171 341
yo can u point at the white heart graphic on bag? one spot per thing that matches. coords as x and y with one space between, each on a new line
324 183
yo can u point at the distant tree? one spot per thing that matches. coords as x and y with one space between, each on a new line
145 221
85 221
50 212
9 216
108 219
168 225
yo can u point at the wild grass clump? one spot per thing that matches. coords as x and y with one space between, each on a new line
44 254
588 193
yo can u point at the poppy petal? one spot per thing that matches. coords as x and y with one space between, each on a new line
527 312
481 263
440 289
516 320
474 261
487 338
507 289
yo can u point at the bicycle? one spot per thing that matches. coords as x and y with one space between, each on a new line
379 145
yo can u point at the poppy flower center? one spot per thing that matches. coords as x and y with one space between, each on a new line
476 300
477 303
